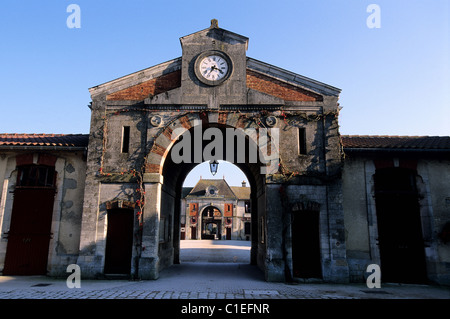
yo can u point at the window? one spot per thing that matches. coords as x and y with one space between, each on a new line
247 207
302 141
212 191
193 209
36 176
125 139
228 210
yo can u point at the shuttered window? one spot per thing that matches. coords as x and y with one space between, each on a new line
228 210
193 209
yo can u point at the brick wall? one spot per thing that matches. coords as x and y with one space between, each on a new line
148 88
256 81
285 91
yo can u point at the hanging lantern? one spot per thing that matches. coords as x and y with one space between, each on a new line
213 166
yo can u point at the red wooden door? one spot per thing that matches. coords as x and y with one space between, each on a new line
30 232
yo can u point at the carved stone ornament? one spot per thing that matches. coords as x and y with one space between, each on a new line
271 121
156 120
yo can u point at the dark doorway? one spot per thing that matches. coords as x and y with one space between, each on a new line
399 226
211 223
228 236
306 245
193 232
31 219
119 241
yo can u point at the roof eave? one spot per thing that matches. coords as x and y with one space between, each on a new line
42 148
394 150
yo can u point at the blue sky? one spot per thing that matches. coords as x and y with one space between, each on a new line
395 79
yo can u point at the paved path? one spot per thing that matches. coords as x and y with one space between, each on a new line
208 271
216 251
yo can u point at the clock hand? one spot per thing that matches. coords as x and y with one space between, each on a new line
213 68
216 68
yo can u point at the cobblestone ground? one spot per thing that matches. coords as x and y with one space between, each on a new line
190 289
207 281
131 294
208 270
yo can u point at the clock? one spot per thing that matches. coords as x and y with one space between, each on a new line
213 67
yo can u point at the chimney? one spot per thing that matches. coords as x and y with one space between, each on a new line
244 184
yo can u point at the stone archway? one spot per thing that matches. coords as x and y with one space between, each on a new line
164 177
211 223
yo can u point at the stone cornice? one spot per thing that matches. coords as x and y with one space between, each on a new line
136 78
291 78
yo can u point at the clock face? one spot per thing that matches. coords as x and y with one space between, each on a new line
213 67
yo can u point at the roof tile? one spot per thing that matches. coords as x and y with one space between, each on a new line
63 140
396 142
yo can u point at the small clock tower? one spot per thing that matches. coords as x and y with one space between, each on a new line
213 68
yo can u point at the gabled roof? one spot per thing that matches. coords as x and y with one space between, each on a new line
185 191
222 186
241 192
44 141
136 78
224 190
291 77
160 78
395 142
214 31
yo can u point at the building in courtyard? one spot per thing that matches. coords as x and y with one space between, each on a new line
318 204
214 210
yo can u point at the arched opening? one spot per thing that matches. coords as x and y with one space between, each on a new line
212 223
215 216
174 174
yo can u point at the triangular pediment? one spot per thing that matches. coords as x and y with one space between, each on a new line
250 82
150 81
151 87
286 84
215 33
266 84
